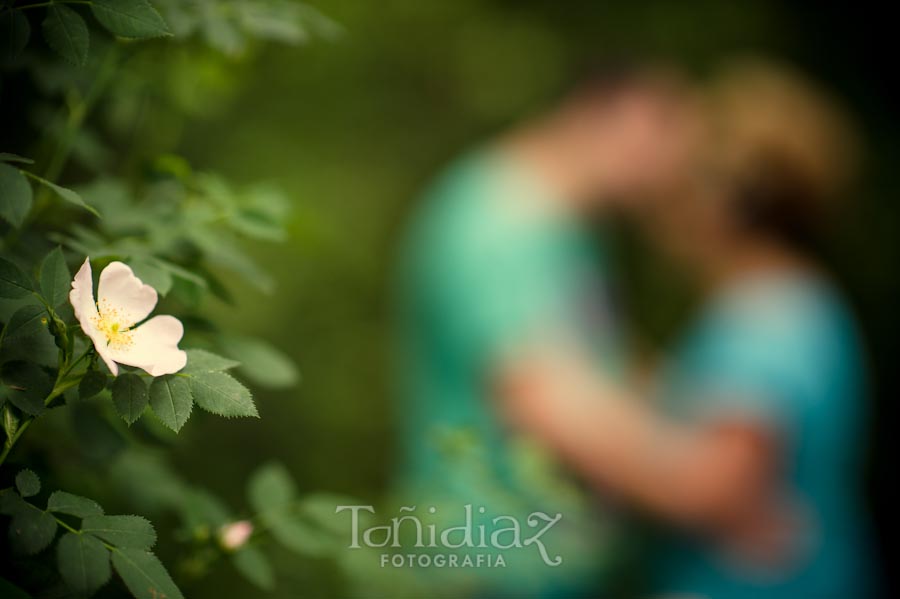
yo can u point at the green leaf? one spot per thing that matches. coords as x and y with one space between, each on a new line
170 398
253 565
129 395
28 320
122 531
83 562
130 18
271 488
144 575
55 279
28 483
14 283
64 192
153 274
260 362
200 361
219 393
65 503
67 33
297 535
15 33
91 384
9 157
15 195
28 385
11 503
31 530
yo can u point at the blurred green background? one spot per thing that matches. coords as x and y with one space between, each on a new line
353 127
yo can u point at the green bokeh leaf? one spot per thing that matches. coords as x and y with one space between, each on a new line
28 483
15 194
260 362
129 395
130 18
55 278
83 562
170 399
200 360
65 503
65 193
271 488
67 33
122 531
253 565
221 394
9 157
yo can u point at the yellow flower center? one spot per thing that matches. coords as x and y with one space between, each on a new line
113 324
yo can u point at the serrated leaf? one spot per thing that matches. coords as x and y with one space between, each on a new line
15 195
55 278
130 397
144 575
65 193
130 18
122 531
200 360
10 157
28 385
11 503
28 320
92 383
15 33
31 530
253 565
61 502
170 398
221 394
83 562
261 362
67 33
28 483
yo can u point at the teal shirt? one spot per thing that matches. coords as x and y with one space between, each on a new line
493 261
783 350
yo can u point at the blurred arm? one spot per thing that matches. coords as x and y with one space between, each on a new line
714 476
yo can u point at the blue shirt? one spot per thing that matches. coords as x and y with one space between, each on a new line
782 350
493 261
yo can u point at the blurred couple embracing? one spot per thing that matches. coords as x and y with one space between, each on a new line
518 389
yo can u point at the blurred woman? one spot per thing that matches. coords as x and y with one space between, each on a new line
753 450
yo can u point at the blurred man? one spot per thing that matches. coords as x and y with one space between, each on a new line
752 452
498 262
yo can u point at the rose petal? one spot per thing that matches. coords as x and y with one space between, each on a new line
154 347
82 299
126 293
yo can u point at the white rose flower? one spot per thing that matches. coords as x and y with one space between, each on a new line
112 321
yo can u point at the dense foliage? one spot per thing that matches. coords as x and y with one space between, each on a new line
67 196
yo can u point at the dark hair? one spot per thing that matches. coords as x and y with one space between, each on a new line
771 198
